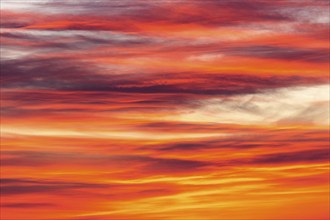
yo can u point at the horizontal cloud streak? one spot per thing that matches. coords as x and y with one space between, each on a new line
26 205
292 157
22 186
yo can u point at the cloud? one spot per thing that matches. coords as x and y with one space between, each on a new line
207 145
293 157
282 53
49 42
142 15
70 75
205 57
268 107
27 205
244 139
139 110
146 163
27 186
176 165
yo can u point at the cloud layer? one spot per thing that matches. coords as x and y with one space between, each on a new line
143 110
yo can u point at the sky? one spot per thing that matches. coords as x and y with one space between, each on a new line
165 110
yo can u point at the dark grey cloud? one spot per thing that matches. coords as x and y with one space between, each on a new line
293 157
212 13
27 205
243 139
106 101
68 42
53 74
147 163
13 24
175 165
71 75
25 186
220 144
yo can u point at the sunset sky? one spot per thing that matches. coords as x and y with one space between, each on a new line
165 109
